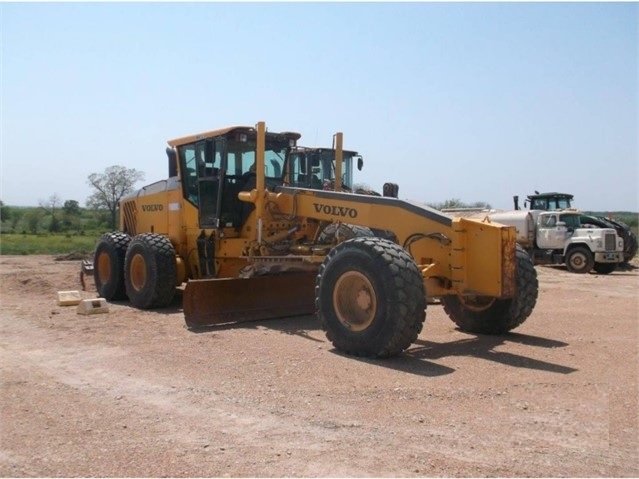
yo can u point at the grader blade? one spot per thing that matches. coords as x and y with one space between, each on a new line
207 302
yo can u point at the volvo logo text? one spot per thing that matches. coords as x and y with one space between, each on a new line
335 210
152 207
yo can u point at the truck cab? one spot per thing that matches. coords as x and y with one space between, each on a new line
561 201
562 238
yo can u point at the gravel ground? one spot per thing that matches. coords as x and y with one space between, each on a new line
135 393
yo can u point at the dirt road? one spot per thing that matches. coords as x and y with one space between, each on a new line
133 393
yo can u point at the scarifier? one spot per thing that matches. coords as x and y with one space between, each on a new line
231 228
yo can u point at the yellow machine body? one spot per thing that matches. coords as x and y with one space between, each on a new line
251 249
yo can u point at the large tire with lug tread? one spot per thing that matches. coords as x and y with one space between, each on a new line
150 271
580 260
342 232
630 246
605 268
108 265
370 298
487 315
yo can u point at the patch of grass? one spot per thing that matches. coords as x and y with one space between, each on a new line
17 244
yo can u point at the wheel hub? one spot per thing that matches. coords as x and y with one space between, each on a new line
104 267
137 272
577 261
355 301
477 303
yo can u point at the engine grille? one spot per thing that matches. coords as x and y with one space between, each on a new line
129 217
610 241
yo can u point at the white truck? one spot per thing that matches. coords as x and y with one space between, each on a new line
556 237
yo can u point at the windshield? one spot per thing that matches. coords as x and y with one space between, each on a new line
550 204
316 169
572 221
241 158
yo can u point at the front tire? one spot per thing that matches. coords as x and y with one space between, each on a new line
580 260
370 298
150 271
108 265
486 315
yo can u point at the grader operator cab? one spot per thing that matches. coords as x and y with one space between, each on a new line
316 168
244 244
319 168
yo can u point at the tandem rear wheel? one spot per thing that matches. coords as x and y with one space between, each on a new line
108 265
150 271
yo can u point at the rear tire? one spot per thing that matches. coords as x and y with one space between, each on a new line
150 271
370 298
108 265
580 260
486 315
605 268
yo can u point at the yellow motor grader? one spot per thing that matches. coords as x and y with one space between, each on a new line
232 230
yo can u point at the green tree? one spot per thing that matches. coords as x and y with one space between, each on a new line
71 214
16 216
52 207
5 212
110 187
33 218
71 208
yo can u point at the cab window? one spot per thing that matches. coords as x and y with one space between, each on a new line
198 161
188 167
572 221
549 221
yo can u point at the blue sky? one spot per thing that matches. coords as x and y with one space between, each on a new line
474 101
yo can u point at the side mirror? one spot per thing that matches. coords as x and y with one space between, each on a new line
172 156
360 163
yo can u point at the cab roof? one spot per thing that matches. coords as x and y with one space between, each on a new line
314 149
228 130
551 194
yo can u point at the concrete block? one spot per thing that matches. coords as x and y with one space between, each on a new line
69 298
93 306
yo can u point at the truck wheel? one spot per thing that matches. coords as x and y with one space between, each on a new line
150 271
370 298
108 265
579 260
343 231
487 315
605 268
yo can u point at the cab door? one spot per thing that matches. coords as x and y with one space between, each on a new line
551 233
210 173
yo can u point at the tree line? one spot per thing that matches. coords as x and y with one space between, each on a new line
56 215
